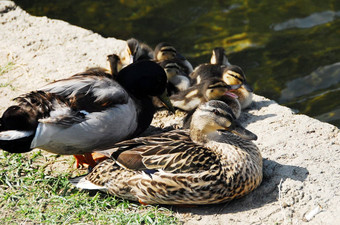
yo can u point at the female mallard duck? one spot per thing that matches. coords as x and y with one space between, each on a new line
164 51
87 111
207 164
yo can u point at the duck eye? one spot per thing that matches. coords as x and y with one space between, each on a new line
216 112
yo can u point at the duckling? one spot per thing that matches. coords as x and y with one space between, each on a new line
138 50
177 81
232 75
219 57
115 64
217 63
245 93
165 51
229 98
213 162
213 88
205 71
87 111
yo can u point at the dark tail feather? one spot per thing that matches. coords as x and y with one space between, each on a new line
17 145
19 122
17 129
1 126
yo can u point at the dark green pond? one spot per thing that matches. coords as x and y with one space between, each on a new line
290 50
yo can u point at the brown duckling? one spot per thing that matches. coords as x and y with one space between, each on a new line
219 57
138 50
177 81
234 75
212 88
165 51
115 64
231 75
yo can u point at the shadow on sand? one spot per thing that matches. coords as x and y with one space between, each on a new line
247 117
266 193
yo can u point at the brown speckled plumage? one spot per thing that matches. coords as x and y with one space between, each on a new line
171 168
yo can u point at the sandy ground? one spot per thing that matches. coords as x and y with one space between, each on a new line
301 154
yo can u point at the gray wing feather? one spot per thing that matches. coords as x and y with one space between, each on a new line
101 88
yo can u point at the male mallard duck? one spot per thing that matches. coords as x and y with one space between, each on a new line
219 57
165 51
87 111
207 164
209 89
232 75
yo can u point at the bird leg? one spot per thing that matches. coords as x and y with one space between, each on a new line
85 160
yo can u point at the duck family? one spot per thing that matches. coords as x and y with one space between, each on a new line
212 159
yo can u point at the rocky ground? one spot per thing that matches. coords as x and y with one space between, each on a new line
301 154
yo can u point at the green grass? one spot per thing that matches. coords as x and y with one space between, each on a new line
4 69
34 188
7 85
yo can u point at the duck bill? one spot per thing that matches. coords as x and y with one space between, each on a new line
132 59
231 94
166 101
247 87
129 58
239 130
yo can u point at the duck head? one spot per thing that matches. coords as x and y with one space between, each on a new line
137 51
143 79
219 57
234 75
171 68
115 64
216 116
216 88
164 51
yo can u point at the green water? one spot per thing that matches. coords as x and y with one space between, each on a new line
290 50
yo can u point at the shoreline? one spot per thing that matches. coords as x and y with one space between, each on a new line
301 154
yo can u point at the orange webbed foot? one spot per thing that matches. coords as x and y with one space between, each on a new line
89 159
141 202
98 157
80 161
